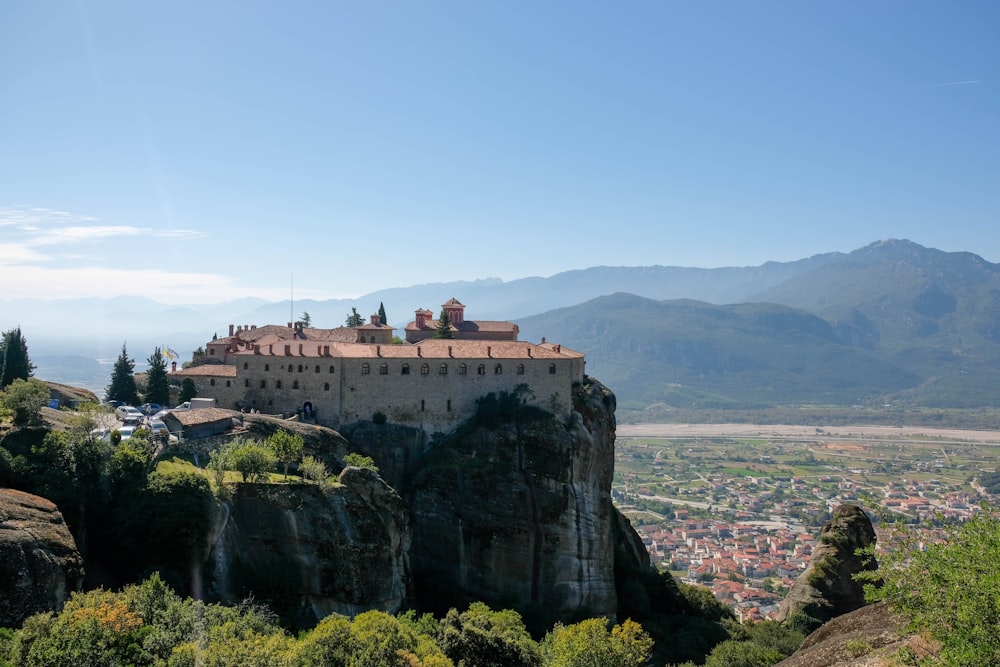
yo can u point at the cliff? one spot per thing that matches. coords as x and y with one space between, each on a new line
39 562
519 514
827 588
310 552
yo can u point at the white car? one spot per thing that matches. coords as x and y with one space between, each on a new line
129 414
126 432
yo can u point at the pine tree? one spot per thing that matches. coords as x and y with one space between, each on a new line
14 361
354 320
381 313
122 387
157 384
188 390
443 329
306 319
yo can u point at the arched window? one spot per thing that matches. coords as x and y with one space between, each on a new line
498 369
317 368
462 369
263 384
372 339
295 384
405 370
300 368
520 369
326 386
421 405
331 369
246 383
245 365
424 369
443 369
365 368
277 384
212 382
267 367
383 369
290 369
228 383
482 369
552 369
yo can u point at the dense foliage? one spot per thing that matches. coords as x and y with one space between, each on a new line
949 591
14 361
123 387
149 625
157 384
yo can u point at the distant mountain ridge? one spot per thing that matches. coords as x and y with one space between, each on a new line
892 321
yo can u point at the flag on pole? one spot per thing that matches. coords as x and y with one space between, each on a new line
168 353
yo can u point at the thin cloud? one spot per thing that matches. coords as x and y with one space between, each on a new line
955 83
99 232
44 227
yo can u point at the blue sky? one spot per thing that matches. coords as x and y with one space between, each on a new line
201 151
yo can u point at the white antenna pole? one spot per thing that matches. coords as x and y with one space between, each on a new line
291 299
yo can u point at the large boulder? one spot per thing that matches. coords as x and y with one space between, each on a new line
827 588
39 562
520 515
309 552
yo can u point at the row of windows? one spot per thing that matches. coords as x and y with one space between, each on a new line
277 384
291 368
463 369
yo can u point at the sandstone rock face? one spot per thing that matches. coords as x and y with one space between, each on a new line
521 516
310 553
39 562
827 588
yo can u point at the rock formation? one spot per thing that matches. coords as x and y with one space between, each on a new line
520 515
39 562
309 552
827 588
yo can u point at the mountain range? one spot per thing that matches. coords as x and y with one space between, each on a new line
892 322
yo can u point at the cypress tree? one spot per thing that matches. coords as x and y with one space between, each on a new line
381 314
157 385
122 387
443 329
14 361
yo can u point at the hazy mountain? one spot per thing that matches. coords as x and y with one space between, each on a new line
893 320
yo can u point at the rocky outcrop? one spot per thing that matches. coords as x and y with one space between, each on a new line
868 637
827 588
310 552
520 515
39 562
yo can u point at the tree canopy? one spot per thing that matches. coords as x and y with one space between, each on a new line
157 384
14 361
122 387
354 319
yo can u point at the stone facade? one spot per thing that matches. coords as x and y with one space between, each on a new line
432 384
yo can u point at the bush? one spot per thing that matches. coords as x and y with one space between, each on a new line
25 399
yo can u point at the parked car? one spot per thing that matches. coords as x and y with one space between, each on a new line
157 428
126 432
128 414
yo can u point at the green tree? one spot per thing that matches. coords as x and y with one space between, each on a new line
25 399
443 328
122 387
157 384
485 638
252 460
382 317
188 390
354 320
949 591
14 361
731 653
329 644
590 643
306 319
357 460
313 469
287 448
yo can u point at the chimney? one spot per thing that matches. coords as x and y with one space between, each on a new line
449 351
288 349
301 354
420 352
375 319
378 350
231 327
252 327
529 353
270 348
326 350
559 349
256 349
173 366
543 339
289 325
489 351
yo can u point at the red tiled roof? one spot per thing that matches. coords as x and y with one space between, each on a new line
207 370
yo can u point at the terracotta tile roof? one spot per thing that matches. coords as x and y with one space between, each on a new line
452 302
207 370
466 326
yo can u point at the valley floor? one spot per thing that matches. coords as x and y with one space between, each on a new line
796 431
